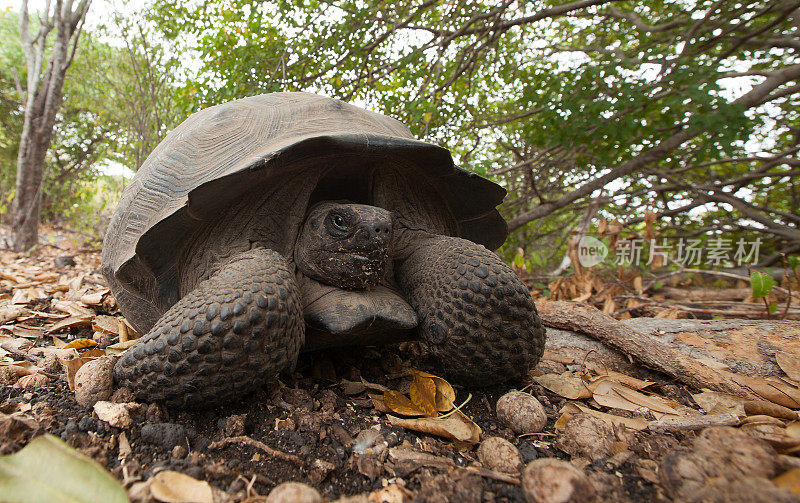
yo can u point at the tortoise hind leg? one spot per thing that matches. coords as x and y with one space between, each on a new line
476 315
229 335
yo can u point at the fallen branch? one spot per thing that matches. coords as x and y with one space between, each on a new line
646 350
275 453
723 274
491 474
693 423
22 354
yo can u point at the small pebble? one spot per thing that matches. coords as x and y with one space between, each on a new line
117 415
528 451
94 381
499 454
521 412
179 452
551 480
234 426
64 261
294 492
586 436
366 439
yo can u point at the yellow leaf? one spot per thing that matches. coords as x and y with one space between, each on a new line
423 394
789 480
445 394
398 403
81 344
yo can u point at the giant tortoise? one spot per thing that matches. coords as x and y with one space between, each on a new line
287 222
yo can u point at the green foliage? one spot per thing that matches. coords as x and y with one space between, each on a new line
118 102
541 107
47 469
761 284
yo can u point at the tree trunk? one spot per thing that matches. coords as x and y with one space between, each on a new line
30 172
42 102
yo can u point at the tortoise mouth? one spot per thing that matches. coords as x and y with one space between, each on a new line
358 270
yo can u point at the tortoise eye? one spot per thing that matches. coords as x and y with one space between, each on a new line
338 222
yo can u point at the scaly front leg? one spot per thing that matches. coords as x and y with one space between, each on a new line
475 313
226 337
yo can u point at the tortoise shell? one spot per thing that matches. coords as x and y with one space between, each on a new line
282 150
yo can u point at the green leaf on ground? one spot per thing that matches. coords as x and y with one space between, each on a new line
47 469
762 284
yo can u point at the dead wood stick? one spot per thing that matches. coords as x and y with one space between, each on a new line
275 453
491 474
22 354
692 423
648 351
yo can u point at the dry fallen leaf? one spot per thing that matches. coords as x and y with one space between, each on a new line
21 368
714 402
173 487
763 407
790 480
772 433
73 308
126 332
629 381
455 426
616 396
72 367
124 446
400 404
789 363
27 332
423 394
119 348
81 344
10 313
72 321
566 385
106 324
96 298
634 423
445 394
776 392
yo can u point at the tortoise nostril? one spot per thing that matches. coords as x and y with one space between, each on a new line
377 229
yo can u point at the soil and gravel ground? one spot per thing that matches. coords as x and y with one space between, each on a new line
323 415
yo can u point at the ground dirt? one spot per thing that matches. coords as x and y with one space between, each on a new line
316 414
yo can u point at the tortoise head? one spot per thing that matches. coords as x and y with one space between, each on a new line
344 244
